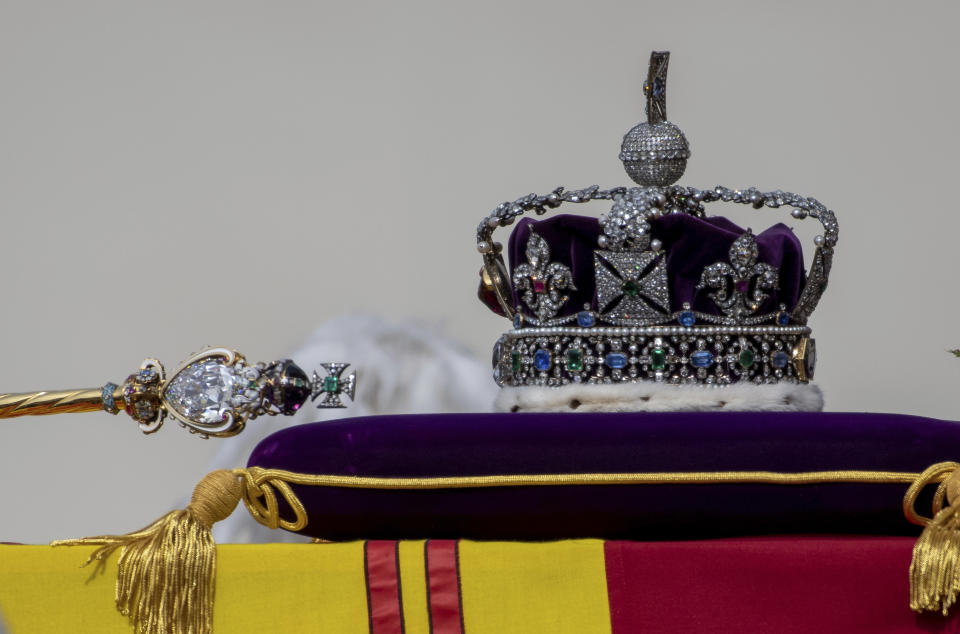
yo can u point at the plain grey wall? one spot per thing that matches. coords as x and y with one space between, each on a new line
182 174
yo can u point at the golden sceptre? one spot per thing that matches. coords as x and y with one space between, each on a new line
213 393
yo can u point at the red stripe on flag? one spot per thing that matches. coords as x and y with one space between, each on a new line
384 598
443 586
787 585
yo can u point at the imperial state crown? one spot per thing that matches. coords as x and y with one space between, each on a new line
655 292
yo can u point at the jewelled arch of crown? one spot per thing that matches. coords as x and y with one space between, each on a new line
632 334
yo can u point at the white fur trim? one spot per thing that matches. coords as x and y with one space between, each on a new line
657 397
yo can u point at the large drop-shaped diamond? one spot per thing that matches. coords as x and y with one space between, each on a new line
202 391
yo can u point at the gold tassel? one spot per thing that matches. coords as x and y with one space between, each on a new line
935 566
934 582
165 581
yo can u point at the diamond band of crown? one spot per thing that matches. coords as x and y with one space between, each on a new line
673 295
213 393
700 355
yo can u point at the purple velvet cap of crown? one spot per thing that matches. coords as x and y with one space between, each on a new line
690 244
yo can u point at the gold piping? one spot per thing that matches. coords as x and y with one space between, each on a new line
260 486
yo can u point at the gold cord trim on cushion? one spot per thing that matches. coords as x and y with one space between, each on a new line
165 582
261 499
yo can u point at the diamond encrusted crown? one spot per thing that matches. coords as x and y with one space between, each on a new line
654 290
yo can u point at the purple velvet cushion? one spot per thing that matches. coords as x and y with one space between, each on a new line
485 444
691 244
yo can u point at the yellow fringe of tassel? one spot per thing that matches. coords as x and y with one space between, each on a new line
935 566
165 582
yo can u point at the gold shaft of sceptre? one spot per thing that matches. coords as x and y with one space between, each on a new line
42 403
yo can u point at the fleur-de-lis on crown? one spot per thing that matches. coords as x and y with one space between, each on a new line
741 283
541 280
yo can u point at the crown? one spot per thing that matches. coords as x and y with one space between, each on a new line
654 290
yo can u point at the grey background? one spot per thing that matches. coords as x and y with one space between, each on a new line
182 174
